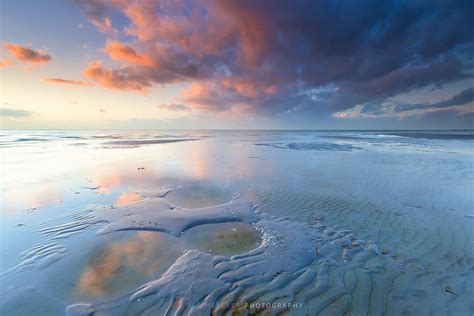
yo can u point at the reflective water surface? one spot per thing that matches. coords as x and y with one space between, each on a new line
345 222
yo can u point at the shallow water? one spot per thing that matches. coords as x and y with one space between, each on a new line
199 222
195 196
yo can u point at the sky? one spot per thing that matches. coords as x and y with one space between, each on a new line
238 64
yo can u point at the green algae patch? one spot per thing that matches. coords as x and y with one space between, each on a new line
224 239
197 196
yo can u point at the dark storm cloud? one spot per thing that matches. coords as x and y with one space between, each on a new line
462 98
270 57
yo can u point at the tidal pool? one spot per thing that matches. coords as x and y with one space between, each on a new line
142 256
223 239
116 265
196 196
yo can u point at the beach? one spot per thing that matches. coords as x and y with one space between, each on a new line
199 222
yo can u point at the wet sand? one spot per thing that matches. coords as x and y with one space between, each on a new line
237 222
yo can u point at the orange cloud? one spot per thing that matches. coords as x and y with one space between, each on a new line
202 96
119 51
250 88
228 93
245 54
104 24
195 89
147 25
5 62
28 55
119 79
243 109
66 81
251 25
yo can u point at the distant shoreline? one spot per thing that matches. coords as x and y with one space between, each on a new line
230 129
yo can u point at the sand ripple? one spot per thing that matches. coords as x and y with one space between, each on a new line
309 266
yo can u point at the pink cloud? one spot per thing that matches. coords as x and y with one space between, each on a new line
67 82
269 57
121 52
4 62
28 55
120 79
104 24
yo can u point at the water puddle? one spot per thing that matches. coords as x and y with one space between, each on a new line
198 196
126 262
121 264
223 239
140 238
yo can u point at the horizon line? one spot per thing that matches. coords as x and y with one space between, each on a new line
231 129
